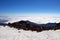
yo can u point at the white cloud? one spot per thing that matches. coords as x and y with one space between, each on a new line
37 18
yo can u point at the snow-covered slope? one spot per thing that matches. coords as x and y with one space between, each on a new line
7 33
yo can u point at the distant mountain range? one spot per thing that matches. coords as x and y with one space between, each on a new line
49 25
32 23
3 21
28 25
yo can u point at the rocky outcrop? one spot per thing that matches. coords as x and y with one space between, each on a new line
57 26
27 25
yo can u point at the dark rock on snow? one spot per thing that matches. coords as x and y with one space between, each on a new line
27 25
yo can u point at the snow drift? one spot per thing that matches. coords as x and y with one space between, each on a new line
7 33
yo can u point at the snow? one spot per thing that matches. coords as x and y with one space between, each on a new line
7 33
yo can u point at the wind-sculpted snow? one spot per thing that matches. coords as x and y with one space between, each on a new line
7 33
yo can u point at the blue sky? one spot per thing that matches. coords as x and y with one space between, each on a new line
29 6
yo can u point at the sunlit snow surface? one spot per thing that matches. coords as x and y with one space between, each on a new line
7 33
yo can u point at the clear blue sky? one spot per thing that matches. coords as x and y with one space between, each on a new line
29 6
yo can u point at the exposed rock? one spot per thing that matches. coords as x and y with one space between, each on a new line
27 25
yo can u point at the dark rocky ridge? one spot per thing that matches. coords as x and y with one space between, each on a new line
27 25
